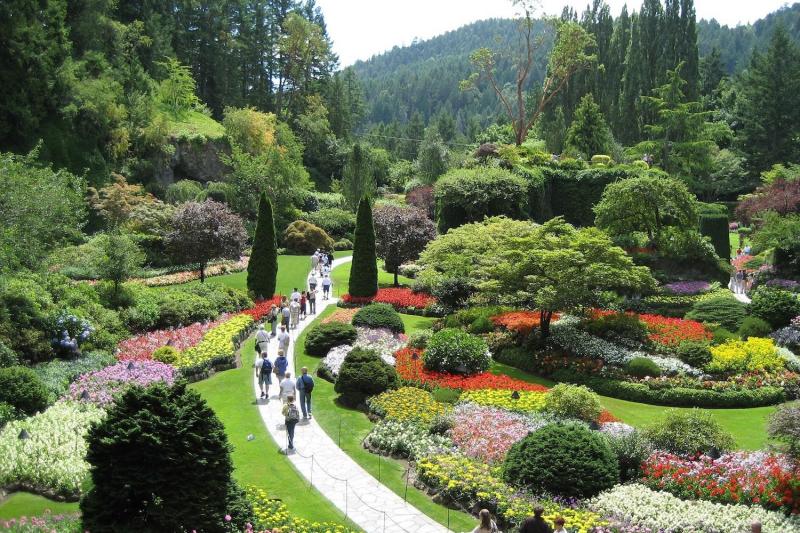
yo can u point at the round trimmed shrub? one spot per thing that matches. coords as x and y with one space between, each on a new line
362 374
454 350
562 459
776 306
753 326
688 432
694 353
21 388
573 401
343 244
165 354
620 325
641 367
305 238
724 310
322 337
480 325
379 315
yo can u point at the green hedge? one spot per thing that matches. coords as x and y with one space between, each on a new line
715 226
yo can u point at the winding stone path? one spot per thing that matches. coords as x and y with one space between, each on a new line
363 499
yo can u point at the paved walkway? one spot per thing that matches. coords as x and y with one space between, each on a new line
364 500
739 296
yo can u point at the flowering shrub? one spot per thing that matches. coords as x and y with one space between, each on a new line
476 485
57 375
759 478
407 439
141 347
217 343
262 307
103 385
754 354
341 315
69 522
522 322
399 298
671 332
786 284
527 401
487 433
332 362
69 332
636 505
273 515
411 368
52 458
407 403
687 287
186 276
381 340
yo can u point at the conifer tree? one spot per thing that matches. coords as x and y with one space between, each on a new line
589 133
262 271
364 269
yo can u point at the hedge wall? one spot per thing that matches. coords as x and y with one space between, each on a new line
715 226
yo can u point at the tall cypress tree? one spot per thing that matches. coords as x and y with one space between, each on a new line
364 270
629 125
262 271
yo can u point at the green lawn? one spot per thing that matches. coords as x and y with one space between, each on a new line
27 504
748 426
348 427
341 278
189 123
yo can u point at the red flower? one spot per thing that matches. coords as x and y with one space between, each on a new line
400 298
521 322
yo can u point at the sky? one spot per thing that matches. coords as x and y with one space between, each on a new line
363 28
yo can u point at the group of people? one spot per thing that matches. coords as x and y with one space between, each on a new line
533 524
321 263
742 280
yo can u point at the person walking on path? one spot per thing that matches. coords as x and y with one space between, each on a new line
262 339
312 302
535 523
290 418
281 364
273 319
294 313
288 387
487 525
283 340
287 315
326 287
303 305
305 384
295 295
312 281
315 260
263 368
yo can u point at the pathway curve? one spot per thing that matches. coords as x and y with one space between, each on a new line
362 498
739 296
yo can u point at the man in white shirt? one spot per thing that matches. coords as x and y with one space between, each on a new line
283 340
287 387
295 295
262 339
294 312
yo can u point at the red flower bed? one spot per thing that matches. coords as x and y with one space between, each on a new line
521 322
141 347
667 331
606 416
400 298
412 369
262 307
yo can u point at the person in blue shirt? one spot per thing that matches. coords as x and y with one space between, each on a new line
304 385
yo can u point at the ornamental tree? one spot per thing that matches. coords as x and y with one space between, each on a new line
205 231
781 196
557 267
646 204
364 269
118 259
589 133
262 270
401 233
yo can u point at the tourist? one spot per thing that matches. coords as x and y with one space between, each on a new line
295 295
535 523
312 302
305 384
312 281
487 525
286 312
326 287
263 368
262 339
747 250
755 527
273 319
287 387
294 312
315 260
303 305
290 417
738 252
281 364
283 340
559 523
739 281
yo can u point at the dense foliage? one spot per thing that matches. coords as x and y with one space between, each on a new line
456 351
364 374
379 315
322 337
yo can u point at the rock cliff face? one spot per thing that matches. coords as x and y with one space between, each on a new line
195 160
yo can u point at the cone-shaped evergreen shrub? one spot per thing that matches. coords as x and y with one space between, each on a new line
187 483
364 271
262 271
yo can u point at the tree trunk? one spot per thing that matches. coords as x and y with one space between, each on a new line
202 273
396 279
544 323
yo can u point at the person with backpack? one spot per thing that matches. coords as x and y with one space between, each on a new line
305 384
262 339
281 363
291 417
263 368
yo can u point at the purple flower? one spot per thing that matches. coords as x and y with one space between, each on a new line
102 386
687 287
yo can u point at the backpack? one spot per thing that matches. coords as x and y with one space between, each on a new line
292 414
266 366
308 384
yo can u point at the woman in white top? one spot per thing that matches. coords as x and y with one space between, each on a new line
487 525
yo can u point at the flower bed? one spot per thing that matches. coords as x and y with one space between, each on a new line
487 433
217 344
51 461
406 439
521 322
400 298
410 368
687 287
753 355
227 267
528 400
273 515
103 385
476 485
637 505
754 478
141 347
341 315
261 308
407 403
670 332
52 523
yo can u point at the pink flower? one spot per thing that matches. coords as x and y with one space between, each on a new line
227 518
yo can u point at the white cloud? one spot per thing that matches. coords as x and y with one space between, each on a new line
363 28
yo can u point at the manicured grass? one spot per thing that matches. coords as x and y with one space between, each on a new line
341 278
189 123
259 461
348 427
27 504
734 240
748 426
